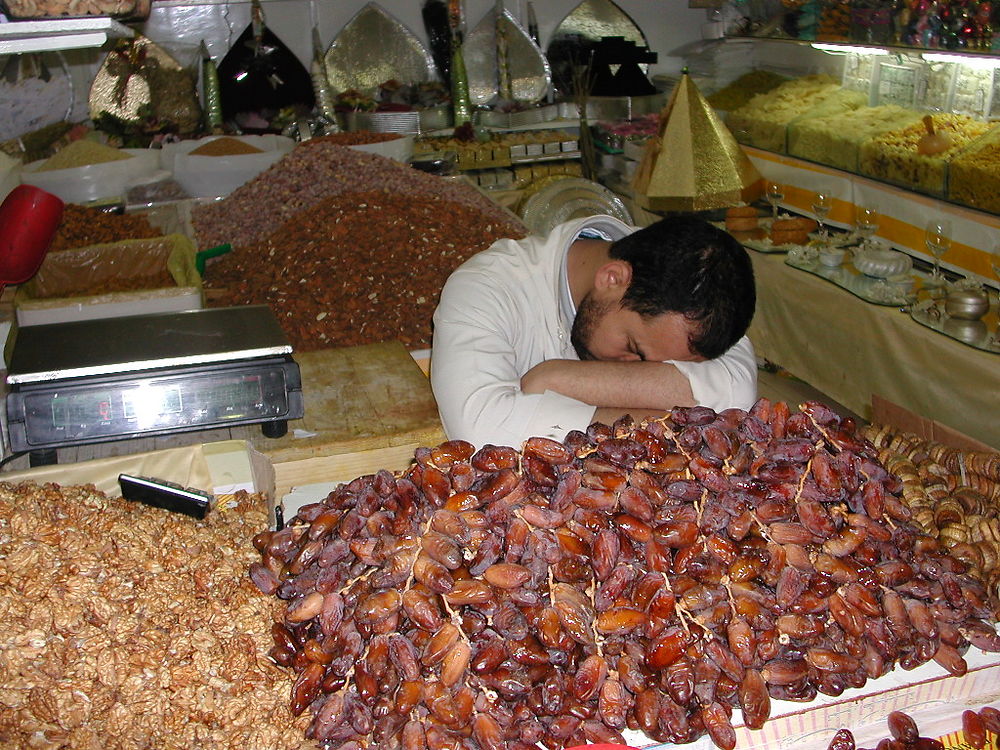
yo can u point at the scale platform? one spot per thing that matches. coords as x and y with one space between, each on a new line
138 376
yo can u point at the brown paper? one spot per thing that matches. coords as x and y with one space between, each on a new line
185 466
693 163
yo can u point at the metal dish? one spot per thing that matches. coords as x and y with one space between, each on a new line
570 198
881 262
374 47
966 304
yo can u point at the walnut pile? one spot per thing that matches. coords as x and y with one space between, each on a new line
126 626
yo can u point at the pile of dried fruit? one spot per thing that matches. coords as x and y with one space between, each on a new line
977 726
82 226
359 267
954 496
650 577
129 627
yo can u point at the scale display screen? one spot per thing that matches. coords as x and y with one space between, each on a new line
110 408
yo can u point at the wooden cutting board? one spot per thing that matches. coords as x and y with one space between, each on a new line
366 408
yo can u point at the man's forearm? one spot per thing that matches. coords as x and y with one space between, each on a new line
623 385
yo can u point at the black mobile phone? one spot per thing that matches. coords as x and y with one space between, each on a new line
167 495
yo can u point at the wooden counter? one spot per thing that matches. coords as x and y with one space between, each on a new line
851 350
366 408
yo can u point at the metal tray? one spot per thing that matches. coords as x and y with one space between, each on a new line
983 334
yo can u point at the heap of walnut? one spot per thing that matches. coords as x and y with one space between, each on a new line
651 577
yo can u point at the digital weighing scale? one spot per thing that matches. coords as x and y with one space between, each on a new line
110 379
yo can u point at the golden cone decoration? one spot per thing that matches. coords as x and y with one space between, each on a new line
693 163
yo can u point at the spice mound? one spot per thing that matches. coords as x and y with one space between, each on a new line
82 153
82 226
225 146
652 577
128 622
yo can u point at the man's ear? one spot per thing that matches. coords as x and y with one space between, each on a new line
615 275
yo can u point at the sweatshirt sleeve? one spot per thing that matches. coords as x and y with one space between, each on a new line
729 381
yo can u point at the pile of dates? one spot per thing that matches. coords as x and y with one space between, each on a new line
977 726
651 578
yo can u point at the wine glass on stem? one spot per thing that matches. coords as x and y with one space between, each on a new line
865 222
937 238
775 194
821 207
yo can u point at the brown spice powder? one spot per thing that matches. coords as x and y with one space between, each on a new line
82 153
226 146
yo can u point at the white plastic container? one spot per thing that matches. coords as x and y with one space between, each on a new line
93 181
213 176
400 149
10 178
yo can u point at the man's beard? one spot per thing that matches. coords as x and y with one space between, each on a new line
588 315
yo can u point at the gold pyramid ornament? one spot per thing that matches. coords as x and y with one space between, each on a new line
693 163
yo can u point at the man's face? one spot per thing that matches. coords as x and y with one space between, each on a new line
604 330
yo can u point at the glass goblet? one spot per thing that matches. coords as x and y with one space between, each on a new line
865 222
821 206
775 194
937 238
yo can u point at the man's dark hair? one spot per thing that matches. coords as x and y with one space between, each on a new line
685 265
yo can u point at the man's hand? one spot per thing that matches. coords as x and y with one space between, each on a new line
627 386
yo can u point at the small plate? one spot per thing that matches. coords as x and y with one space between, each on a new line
570 198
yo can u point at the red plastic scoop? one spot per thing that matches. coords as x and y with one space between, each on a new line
29 217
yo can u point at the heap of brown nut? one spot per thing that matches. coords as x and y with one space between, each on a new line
127 627
650 577
954 495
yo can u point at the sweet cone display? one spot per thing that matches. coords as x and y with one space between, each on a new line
693 163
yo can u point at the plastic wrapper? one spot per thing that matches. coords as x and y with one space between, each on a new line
262 83
835 139
892 156
75 284
762 122
141 90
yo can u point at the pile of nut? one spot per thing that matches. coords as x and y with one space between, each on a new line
358 268
129 627
954 496
650 577
314 172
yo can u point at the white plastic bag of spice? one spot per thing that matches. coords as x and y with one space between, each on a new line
35 91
